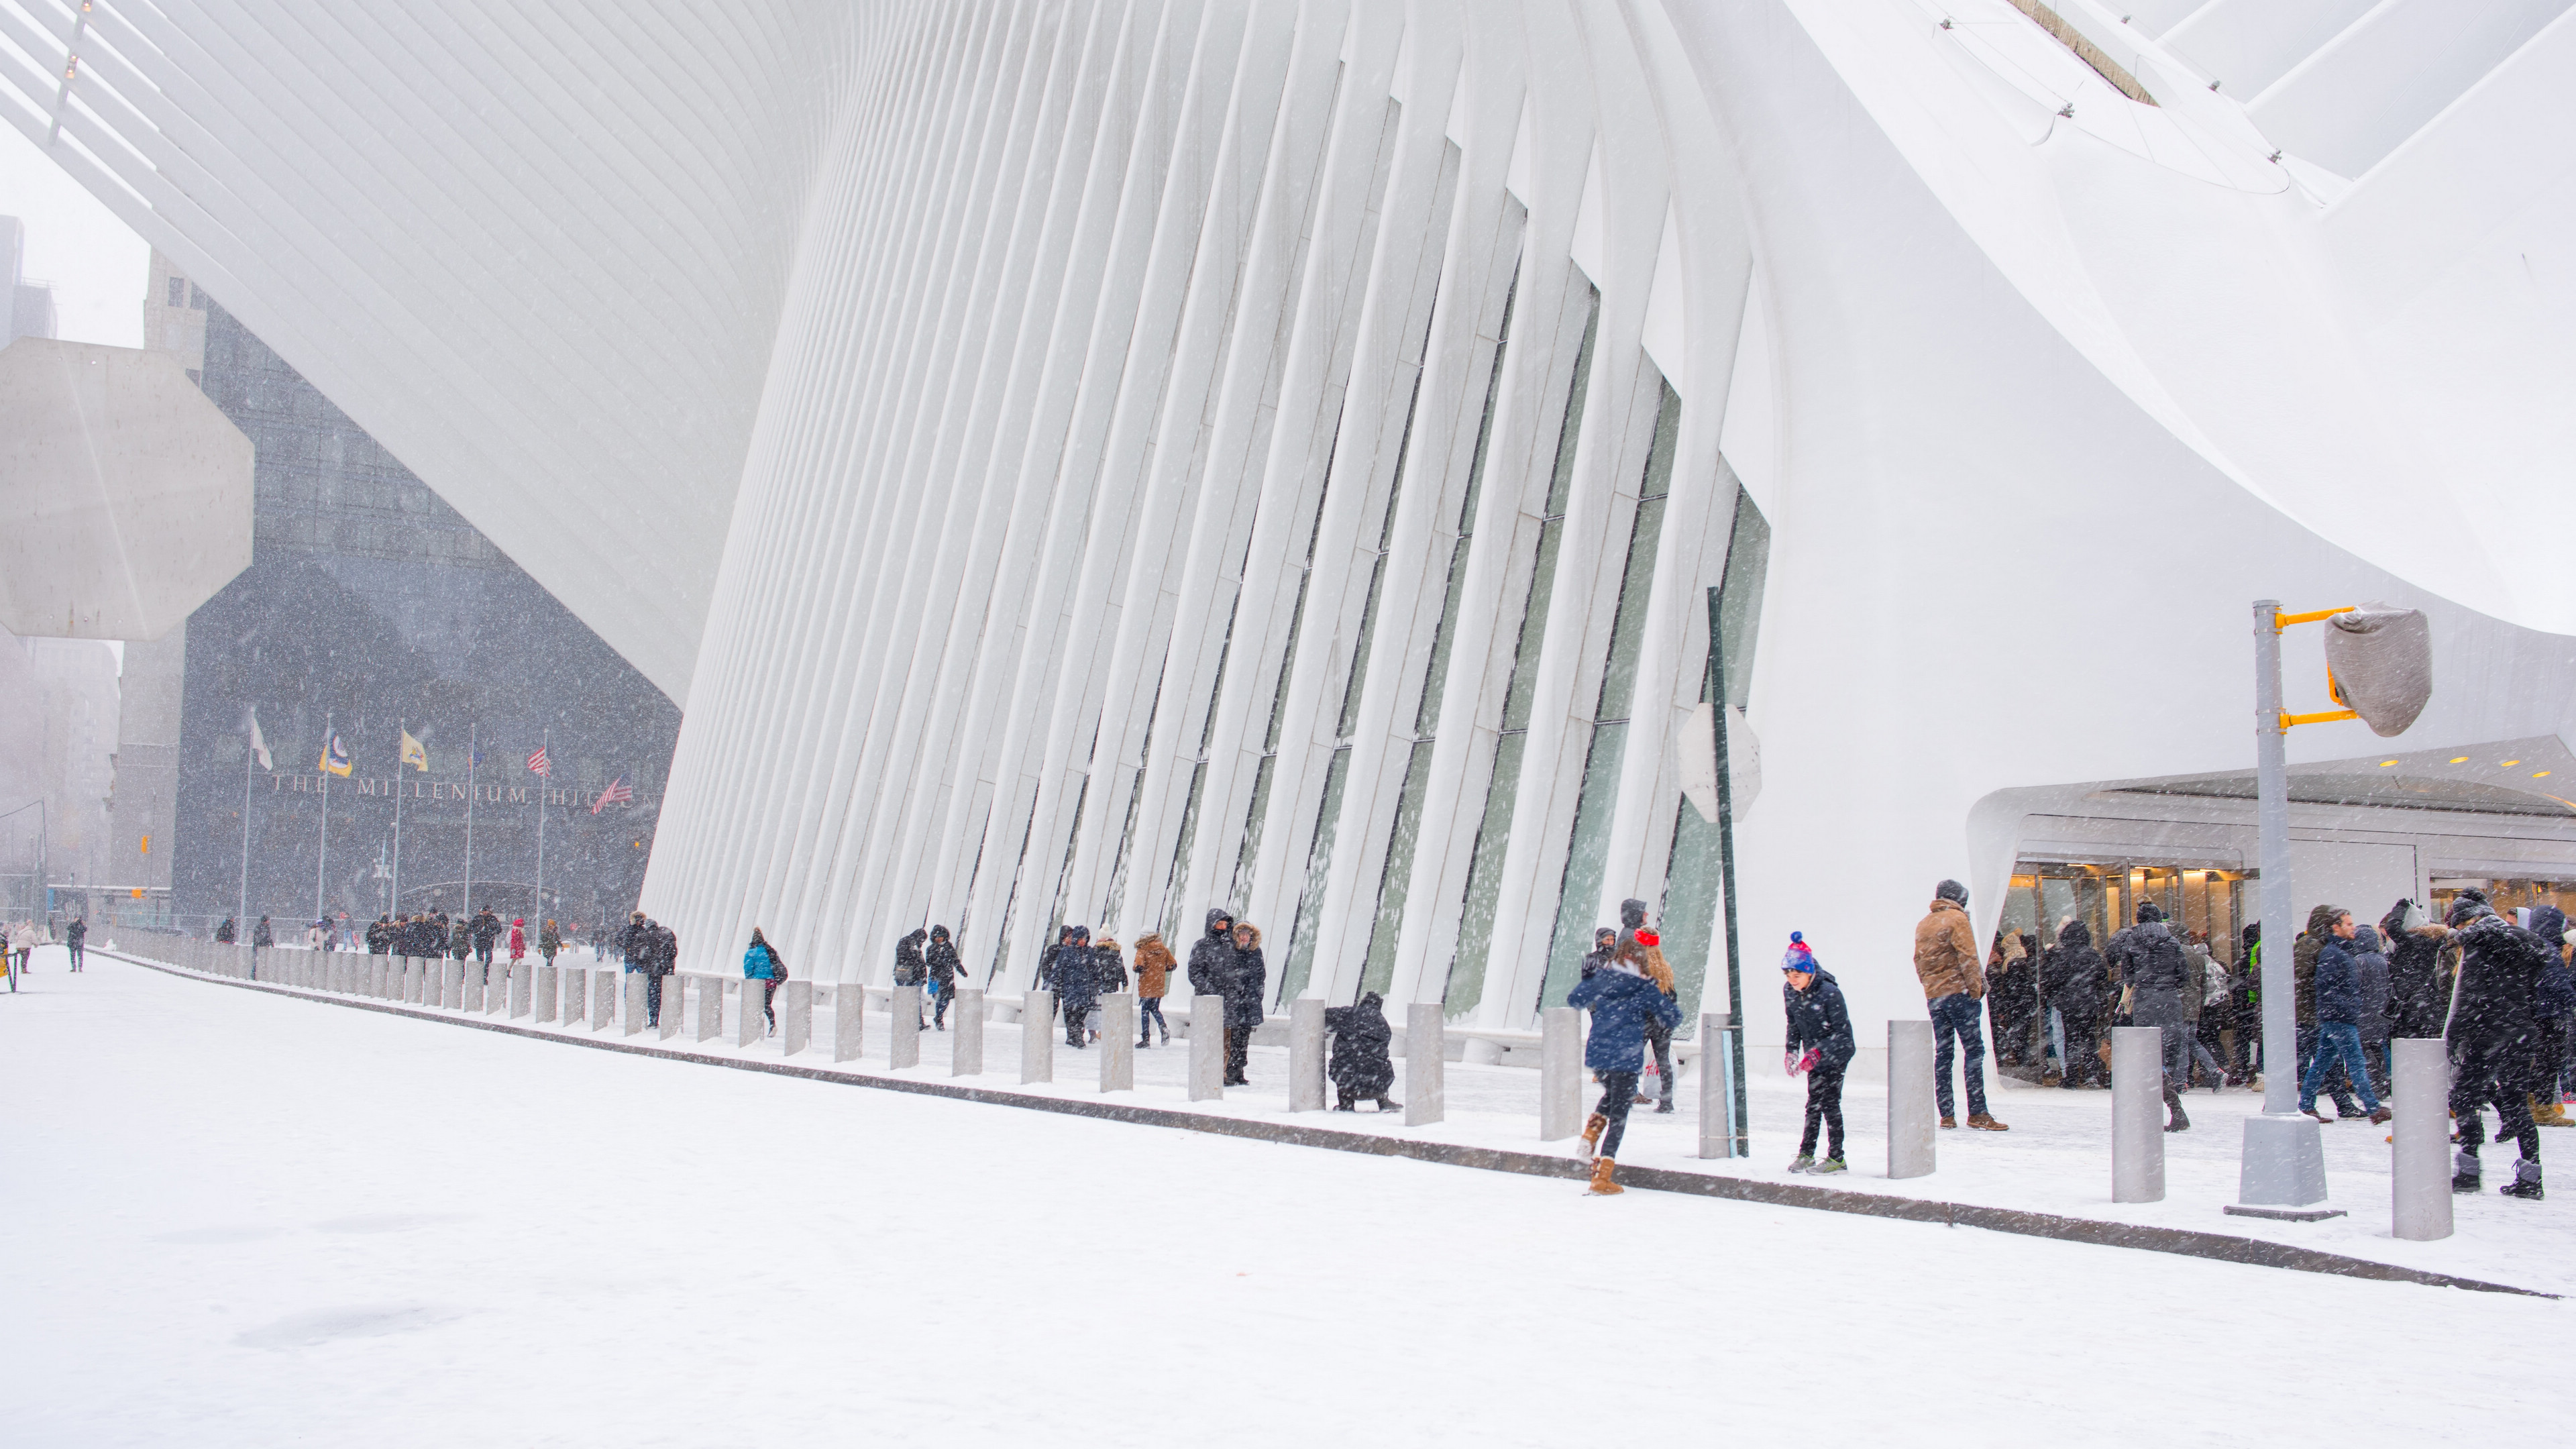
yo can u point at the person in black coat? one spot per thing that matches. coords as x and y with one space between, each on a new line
939 959
1360 1064
487 929
1605 947
1243 991
1821 1043
2493 1025
1077 990
1212 957
2078 985
76 936
224 933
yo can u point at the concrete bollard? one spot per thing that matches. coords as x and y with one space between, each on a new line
1910 1113
1118 1042
849 1021
496 989
476 988
675 999
1037 1036
966 1034
603 998
523 988
1718 1129
905 1010
796 1014
2137 1114
1560 1073
711 995
452 972
576 995
1426 1063
2419 1180
752 1024
1306 1054
1207 1048
636 983
549 992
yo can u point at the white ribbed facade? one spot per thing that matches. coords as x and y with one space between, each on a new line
1275 455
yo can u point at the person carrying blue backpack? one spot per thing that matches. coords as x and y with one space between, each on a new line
760 963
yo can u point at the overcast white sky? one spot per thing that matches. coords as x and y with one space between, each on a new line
98 266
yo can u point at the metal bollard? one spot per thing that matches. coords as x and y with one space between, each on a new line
1560 1073
711 995
1207 1048
796 1013
849 1021
2137 1114
1718 1129
1426 1061
1118 1042
2419 1180
753 1024
906 1013
966 1037
1910 1114
1306 1054
1037 1036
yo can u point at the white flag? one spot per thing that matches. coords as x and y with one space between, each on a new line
258 745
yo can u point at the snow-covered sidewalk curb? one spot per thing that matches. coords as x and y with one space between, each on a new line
1714 1181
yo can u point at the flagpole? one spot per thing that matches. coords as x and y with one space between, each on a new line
249 758
473 756
545 740
322 833
398 784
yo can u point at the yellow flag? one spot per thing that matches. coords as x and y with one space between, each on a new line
412 753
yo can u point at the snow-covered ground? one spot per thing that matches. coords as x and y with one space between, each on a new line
239 1218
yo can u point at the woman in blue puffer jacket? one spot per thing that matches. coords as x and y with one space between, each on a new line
760 963
1622 1001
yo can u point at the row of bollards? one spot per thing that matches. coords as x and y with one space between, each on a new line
574 996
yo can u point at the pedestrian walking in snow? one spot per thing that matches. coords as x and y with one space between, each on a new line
2078 988
2492 1023
1621 1004
1361 1065
549 943
487 929
1154 967
2148 958
2370 963
262 935
1646 950
2554 1004
760 963
1821 1046
939 961
225 934
1076 989
75 936
1946 961
664 960
518 939
1605 949
2338 1005
1243 997
1108 972
460 940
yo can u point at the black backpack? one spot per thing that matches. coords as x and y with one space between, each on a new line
2165 966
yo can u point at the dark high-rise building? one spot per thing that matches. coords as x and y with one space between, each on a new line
371 611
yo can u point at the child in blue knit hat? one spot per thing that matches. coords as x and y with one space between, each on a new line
1820 1045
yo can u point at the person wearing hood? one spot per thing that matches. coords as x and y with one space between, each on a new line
1212 956
518 939
760 963
2011 998
2338 994
939 959
224 934
1155 964
1361 1066
2303 974
2554 1004
2072 974
2418 1001
1077 990
1605 949
380 936
2370 963
1821 1045
1947 962
1622 1001
549 942
2493 1022
487 929
262 934
909 967
2149 960
1243 993
2245 1006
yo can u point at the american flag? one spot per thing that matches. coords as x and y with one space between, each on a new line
539 764
615 794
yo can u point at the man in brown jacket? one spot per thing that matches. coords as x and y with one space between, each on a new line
1946 961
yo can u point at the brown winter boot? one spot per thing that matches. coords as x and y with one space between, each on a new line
1593 1127
1602 1186
1985 1123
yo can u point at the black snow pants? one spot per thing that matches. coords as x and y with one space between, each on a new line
2484 1070
1825 1106
1618 1094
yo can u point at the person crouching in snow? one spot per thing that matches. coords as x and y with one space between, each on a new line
1821 1045
1621 1003
1361 1066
